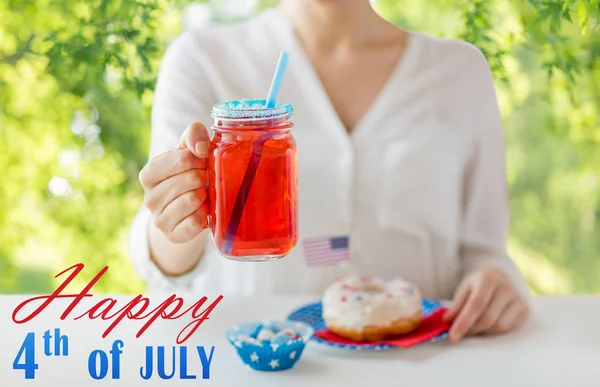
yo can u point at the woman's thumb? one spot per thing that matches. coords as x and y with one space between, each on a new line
196 139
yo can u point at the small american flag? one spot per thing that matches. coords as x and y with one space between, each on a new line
326 250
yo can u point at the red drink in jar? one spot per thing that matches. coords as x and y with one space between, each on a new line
253 181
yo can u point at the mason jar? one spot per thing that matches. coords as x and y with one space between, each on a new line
253 187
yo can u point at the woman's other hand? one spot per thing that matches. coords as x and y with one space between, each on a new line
486 303
175 185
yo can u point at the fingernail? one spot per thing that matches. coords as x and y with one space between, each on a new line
201 148
454 338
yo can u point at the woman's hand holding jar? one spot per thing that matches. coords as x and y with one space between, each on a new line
175 186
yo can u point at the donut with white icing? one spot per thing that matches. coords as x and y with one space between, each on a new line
372 309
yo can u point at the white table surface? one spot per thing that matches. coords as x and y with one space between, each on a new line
559 346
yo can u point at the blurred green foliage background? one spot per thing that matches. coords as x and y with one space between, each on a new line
76 81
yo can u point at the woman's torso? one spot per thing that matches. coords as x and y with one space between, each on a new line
393 187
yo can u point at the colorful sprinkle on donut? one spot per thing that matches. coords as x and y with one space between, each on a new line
343 299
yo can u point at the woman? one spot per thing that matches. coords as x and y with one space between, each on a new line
399 147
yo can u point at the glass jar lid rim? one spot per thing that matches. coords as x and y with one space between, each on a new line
250 109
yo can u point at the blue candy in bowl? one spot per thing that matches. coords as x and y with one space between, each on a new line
270 346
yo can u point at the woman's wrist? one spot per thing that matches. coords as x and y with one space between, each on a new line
174 259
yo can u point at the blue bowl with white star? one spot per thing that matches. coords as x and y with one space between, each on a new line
270 345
